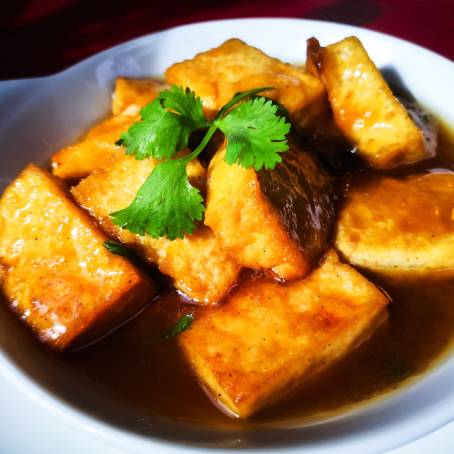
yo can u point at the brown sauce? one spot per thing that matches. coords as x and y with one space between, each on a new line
154 376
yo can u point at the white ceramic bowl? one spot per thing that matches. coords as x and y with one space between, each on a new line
38 116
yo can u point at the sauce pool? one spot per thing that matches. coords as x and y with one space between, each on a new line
154 375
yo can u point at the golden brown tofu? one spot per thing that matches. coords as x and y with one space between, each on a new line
198 264
364 107
399 225
218 74
57 275
276 220
96 150
268 337
134 93
110 129
78 161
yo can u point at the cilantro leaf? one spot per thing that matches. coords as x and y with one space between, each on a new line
163 132
160 134
185 103
255 134
223 111
165 205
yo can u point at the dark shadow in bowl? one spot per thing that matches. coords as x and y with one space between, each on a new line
394 80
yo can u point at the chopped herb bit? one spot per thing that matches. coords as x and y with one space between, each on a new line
117 248
183 323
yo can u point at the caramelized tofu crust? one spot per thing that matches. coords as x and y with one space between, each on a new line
364 107
269 337
95 151
134 93
199 265
399 225
57 275
218 74
276 220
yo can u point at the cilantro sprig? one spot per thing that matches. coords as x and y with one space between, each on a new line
167 204
255 135
166 125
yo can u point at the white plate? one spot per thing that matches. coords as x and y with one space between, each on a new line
39 116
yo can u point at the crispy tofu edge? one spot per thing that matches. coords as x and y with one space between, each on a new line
221 398
308 115
363 255
130 92
109 315
414 150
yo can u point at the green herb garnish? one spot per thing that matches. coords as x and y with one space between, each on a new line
166 125
183 323
167 204
117 248
255 135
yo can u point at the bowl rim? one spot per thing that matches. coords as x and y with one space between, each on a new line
118 437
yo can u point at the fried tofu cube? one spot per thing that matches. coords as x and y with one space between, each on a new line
364 107
77 161
110 129
218 74
57 275
98 147
132 94
199 264
395 225
267 337
96 150
276 220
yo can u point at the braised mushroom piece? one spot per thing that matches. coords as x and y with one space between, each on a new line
275 219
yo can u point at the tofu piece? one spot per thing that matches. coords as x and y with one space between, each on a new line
96 150
199 264
57 275
276 220
110 129
364 107
267 337
134 93
395 225
77 161
218 74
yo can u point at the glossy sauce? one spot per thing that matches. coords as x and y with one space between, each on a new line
154 375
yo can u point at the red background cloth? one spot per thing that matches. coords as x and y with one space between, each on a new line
39 37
